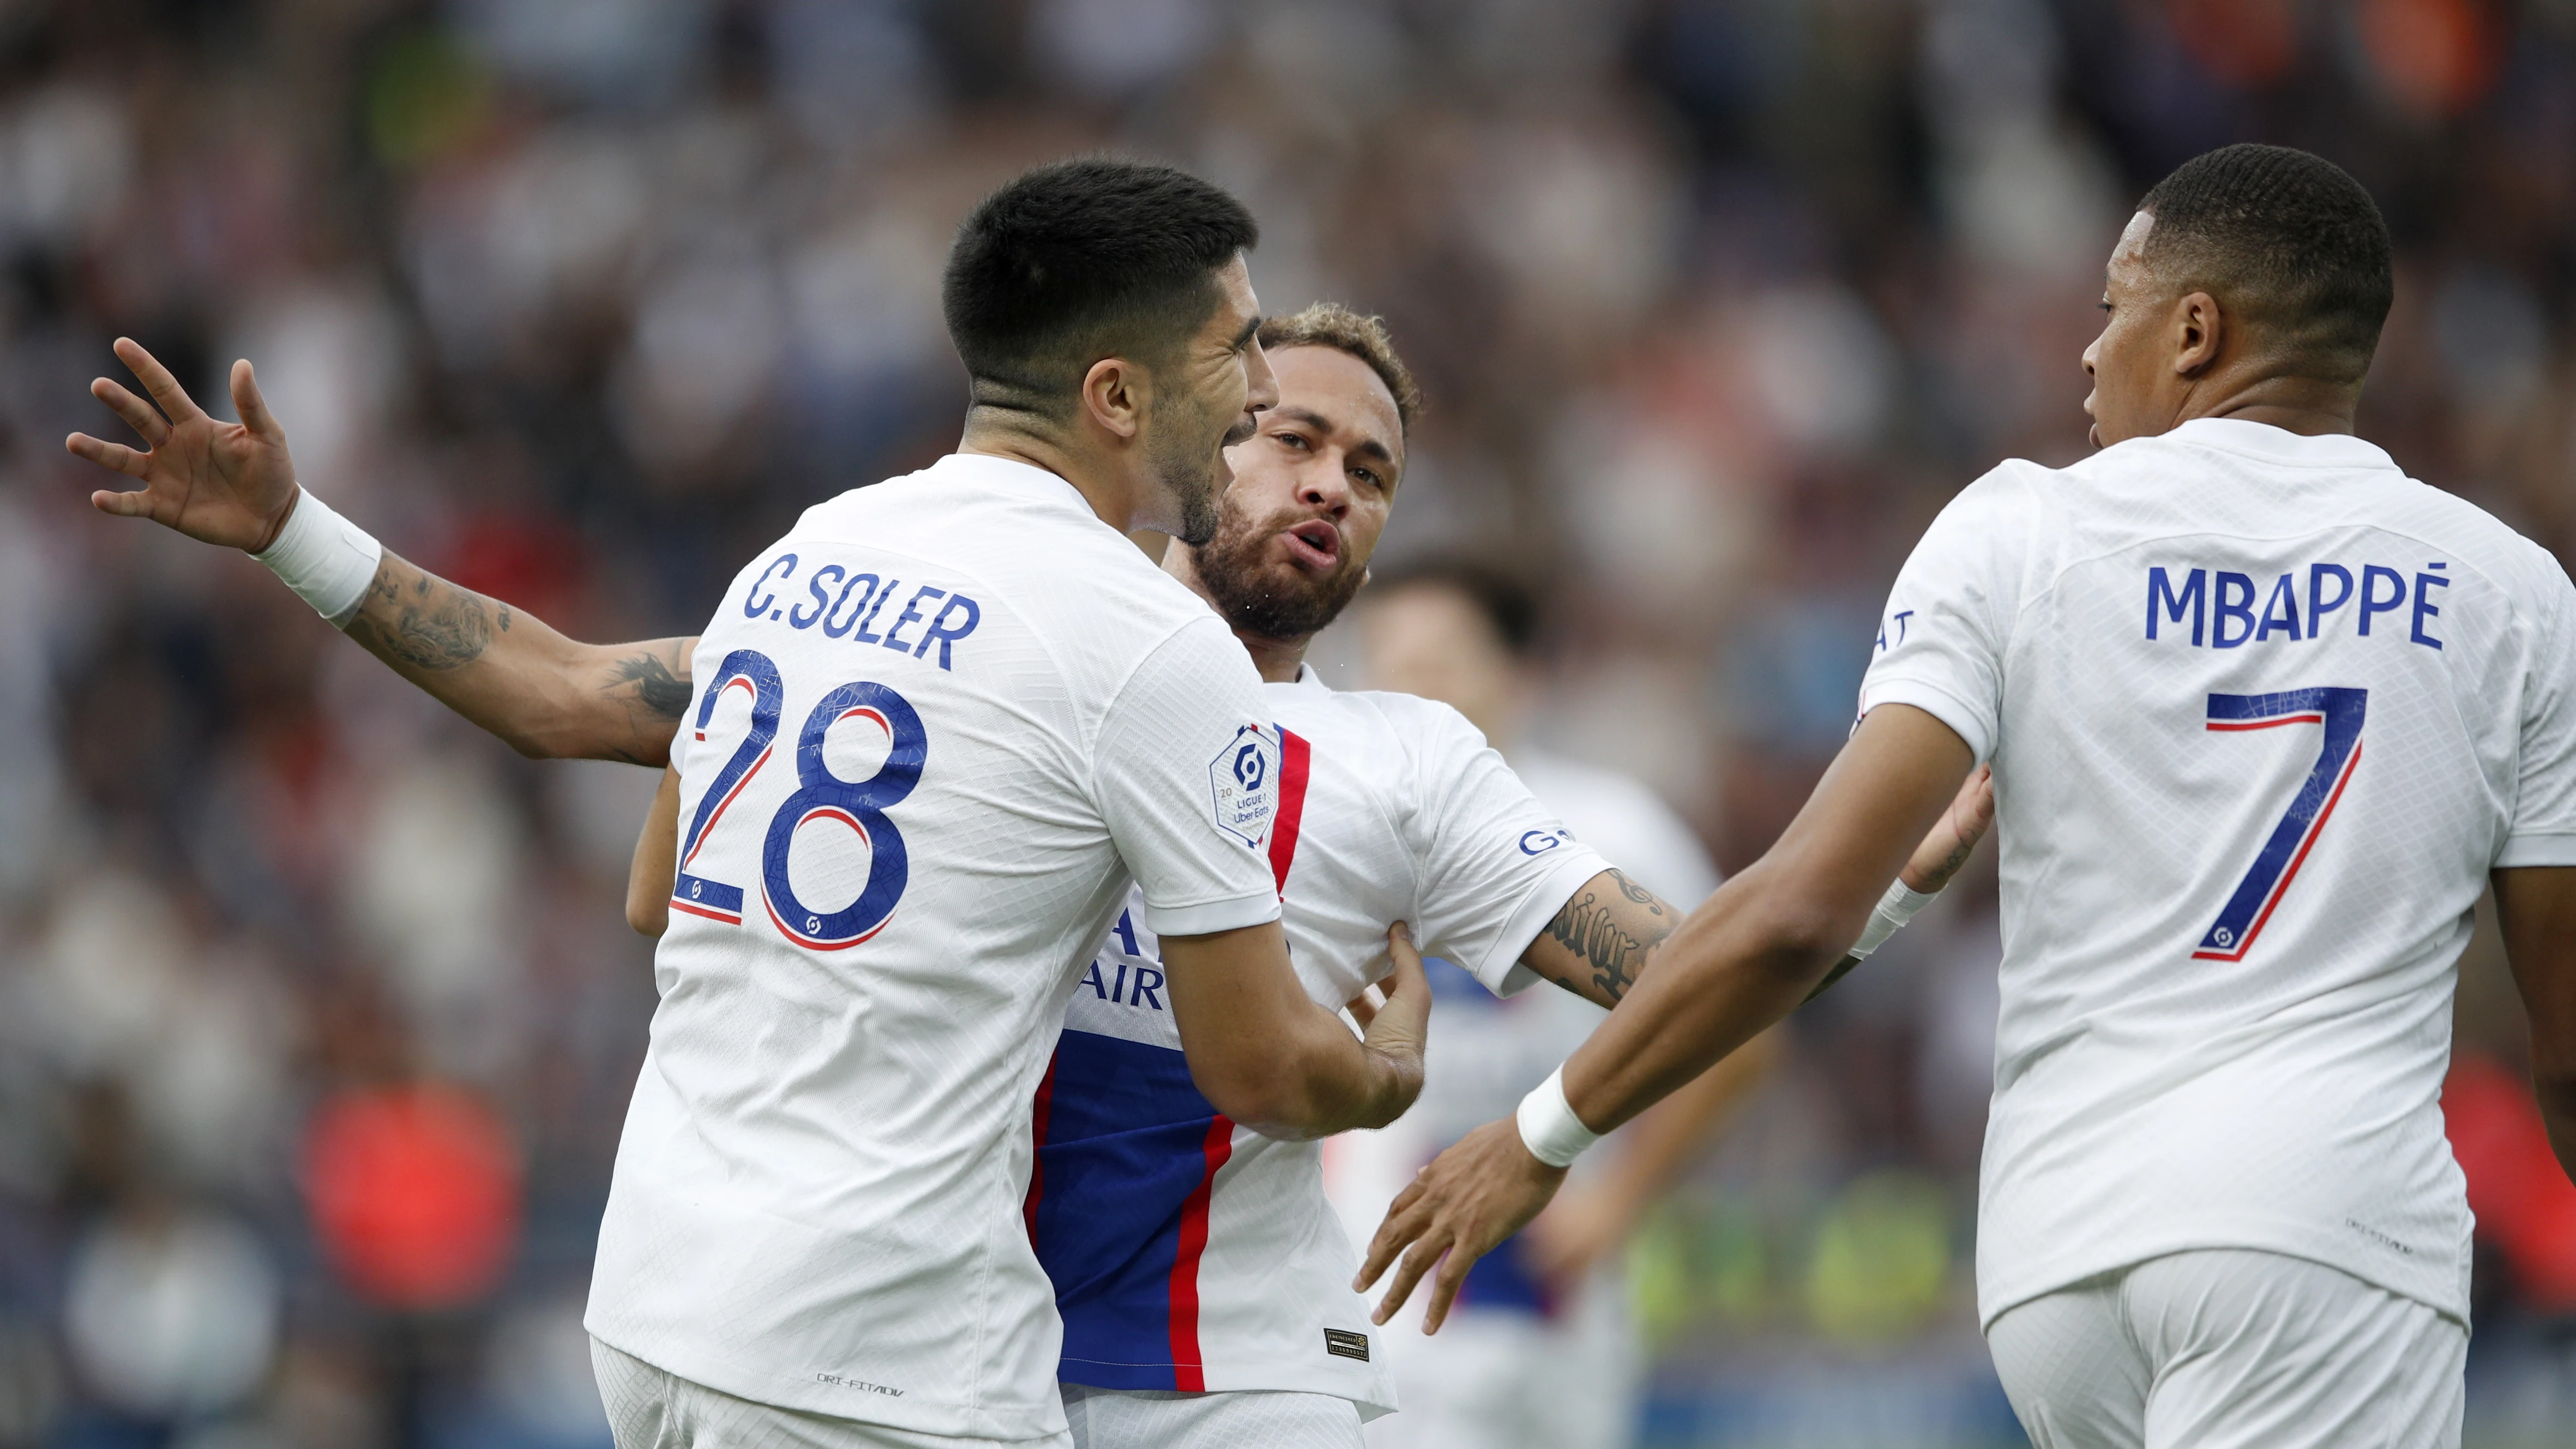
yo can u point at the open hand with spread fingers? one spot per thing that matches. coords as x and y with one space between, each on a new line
230 484
1459 1208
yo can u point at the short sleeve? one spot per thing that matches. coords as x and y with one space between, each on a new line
1186 775
1940 645
1497 865
2544 801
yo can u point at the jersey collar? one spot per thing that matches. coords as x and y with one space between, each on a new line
1012 473
2280 445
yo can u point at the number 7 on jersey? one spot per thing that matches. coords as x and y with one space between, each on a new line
2340 711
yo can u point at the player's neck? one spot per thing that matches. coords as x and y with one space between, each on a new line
1277 659
2292 404
1112 494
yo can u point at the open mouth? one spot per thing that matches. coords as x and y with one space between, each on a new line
1316 544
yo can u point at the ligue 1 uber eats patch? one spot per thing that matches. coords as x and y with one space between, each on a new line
1243 781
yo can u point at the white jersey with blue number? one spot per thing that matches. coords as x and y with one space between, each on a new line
1189 1253
939 726
2263 712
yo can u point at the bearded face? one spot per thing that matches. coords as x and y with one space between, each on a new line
1282 575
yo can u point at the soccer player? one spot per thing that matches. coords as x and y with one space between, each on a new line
2265 714
935 732
1540 1351
1202 1275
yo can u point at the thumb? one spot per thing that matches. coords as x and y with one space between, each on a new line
1407 979
253 408
1400 1024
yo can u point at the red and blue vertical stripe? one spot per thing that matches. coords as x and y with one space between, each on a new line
1127 1158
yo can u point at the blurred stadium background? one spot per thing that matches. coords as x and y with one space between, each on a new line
317 1016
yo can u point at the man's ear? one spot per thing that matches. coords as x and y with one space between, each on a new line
2199 331
1115 393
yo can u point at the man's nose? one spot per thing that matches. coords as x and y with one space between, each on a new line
1261 385
1325 484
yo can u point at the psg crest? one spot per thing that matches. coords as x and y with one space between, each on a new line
1244 784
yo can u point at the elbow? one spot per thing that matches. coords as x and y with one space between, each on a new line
1271 1103
1797 940
1295 1098
530 746
648 916
1266 1107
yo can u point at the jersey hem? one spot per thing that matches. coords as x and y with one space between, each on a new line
957 1420
2068 1272
1937 702
1270 1379
2531 850
1208 917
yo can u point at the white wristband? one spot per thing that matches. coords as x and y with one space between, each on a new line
327 560
1894 909
1549 1128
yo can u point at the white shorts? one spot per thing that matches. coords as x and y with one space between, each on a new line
2231 1349
1233 1419
649 1408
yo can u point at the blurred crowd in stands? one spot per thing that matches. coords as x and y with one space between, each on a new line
317 1015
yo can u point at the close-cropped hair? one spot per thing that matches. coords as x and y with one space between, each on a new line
2284 239
1330 324
1079 260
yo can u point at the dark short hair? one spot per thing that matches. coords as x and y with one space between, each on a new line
1330 324
1511 609
1079 260
2285 239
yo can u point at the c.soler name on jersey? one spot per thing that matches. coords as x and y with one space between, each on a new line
844 604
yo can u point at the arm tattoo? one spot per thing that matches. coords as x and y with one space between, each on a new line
1594 932
661 692
431 624
1951 863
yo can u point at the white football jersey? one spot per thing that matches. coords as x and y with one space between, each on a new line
1192 1254
2263 713
938 727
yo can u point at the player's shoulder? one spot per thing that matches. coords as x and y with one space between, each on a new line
1424 728
1027 536
2478 537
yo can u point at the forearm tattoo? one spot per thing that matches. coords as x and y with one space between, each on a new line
663 694
1595 931
422 620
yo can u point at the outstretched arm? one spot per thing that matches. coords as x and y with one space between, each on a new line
1601 942
1743 960
233 485
2536 905
546 696
1579 1230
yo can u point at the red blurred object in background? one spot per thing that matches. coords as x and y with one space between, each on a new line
2434 57
522 558
2247 44
2524 1202
414 1192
